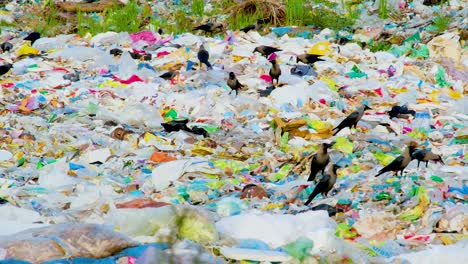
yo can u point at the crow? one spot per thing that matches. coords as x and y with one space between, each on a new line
199 131
255 26
168 75
33 36
210 27
319 161
352 119
400 111
115 52
308 58
5 68
233 83
138 56
275 71
426 155
6 46
400 163
266 50
325 185
203 57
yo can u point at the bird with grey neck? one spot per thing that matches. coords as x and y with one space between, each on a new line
210 27
426 155
400 163
351 120
308 58
266 50
319 160
275 72
203 57
325 184
233 83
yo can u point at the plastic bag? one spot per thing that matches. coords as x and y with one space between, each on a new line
197 226
300 248
141 222
69 240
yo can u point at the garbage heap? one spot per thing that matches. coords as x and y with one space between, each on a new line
104 161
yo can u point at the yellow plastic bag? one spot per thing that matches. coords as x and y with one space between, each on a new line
27 50
320 48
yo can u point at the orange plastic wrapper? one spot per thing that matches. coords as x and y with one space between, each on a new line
161 157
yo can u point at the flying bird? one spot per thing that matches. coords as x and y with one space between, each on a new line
5 68
266 50
33 36
426 155
352 119
319 161
275 71
400 163
210 27
325 185
308 58
233 83
203 57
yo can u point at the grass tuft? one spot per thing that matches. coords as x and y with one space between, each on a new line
198 7
442 22
325 18
379 46
125 18
383 9
295 12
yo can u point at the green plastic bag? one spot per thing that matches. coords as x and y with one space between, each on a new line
413 38
440 78
344 145
197 227
356 73
422 52
281 174
300 248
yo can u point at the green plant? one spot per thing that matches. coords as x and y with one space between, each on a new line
379 46
241 19
125 18
442 22
326 3
198 7
350 9
383 9
295 12
325 18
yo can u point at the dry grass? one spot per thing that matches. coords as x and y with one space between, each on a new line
47 21
88 7
274 10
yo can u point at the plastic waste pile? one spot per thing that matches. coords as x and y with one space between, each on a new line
104 161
